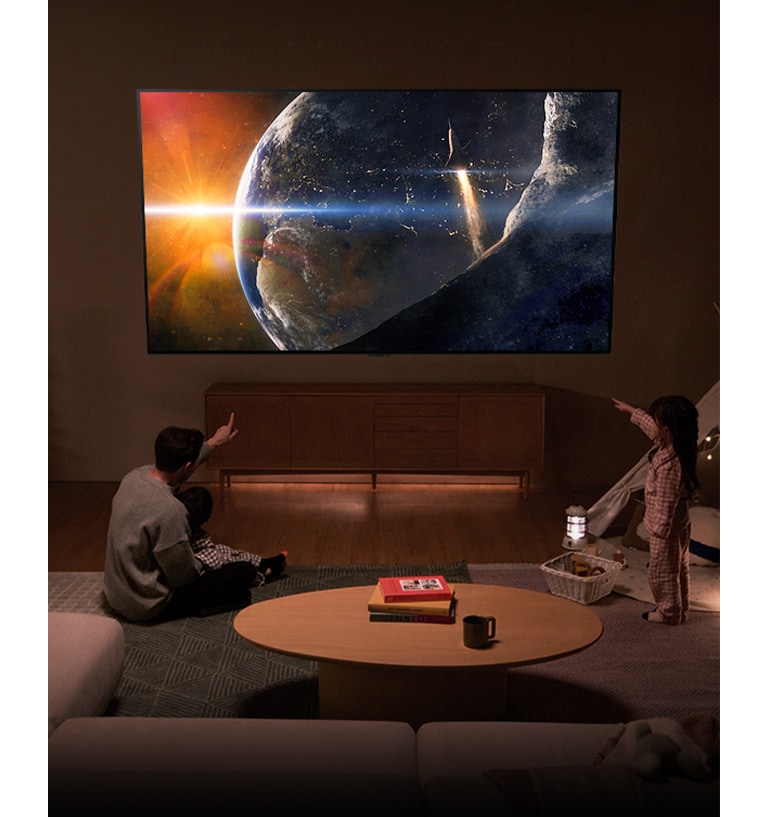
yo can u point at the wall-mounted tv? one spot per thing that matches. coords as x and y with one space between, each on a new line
379 222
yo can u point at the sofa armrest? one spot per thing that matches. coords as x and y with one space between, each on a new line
85 662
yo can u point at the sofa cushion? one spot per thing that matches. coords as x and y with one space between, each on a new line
234 744
553 791
462 748
204 766
192 794
473 795
602 791
85 662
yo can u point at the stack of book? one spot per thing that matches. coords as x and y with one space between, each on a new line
427 599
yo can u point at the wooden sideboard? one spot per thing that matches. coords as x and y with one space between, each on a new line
377 429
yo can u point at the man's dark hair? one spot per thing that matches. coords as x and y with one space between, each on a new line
199 504
175 447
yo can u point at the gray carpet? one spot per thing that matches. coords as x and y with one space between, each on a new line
635 670
200 667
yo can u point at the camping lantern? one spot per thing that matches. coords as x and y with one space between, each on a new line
575 528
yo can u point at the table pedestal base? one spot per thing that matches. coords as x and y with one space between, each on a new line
413 695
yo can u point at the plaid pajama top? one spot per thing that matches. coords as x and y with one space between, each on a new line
666 507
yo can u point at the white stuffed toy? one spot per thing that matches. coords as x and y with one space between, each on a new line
659 748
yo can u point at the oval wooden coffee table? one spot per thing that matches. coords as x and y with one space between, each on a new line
417 672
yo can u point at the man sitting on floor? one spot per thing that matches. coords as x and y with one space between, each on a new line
150 568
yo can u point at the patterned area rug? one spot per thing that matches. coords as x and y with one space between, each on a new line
200 667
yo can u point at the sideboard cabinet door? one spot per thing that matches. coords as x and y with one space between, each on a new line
263 430
501 432
331 431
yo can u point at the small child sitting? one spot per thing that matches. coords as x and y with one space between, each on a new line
199 504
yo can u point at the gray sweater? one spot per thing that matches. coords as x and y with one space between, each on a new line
148 549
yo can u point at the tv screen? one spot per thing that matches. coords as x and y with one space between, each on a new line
379 222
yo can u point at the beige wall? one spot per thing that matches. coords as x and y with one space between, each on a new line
108 398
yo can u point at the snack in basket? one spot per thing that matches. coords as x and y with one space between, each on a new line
579 567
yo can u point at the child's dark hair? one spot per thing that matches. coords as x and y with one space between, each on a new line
199 504
681 417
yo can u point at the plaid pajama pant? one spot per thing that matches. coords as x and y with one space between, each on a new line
669 528
669 574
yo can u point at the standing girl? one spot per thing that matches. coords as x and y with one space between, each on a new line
672 424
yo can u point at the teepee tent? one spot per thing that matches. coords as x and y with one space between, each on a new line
608 507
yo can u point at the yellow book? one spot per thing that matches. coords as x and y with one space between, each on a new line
376 604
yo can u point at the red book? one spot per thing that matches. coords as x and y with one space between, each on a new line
415 588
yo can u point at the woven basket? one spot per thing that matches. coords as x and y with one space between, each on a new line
583 589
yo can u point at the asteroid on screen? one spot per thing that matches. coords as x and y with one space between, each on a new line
432 221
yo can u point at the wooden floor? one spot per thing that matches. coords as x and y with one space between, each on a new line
341 523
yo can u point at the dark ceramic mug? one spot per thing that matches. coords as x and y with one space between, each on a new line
478 630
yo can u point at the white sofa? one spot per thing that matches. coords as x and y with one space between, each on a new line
547 770
128 765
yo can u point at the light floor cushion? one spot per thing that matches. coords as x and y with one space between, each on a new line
705 536
85 662
636 535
